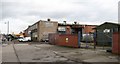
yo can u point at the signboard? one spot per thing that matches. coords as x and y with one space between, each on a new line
61 29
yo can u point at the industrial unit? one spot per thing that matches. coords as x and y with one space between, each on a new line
104 33
41 29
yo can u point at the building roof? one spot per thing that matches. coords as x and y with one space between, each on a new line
108 25
74 25
38 22
62 24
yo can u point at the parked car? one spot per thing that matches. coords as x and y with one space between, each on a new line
24 39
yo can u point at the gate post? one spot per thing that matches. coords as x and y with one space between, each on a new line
79 38
95 37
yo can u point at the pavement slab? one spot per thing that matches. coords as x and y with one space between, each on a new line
8 53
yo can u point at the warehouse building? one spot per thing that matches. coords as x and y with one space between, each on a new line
40 30
64 28
104 33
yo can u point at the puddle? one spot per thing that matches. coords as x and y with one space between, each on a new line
4 45
112 57
47 56
36 59
64 52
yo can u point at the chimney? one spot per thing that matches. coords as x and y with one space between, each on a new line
64 22
75 22
48 19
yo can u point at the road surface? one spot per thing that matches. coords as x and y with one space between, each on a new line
25 53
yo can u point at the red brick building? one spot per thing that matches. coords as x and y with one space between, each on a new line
74 28
89 29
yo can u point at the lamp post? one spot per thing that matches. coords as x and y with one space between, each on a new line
7 27
7 30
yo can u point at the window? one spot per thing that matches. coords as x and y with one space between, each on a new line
106 30
61 29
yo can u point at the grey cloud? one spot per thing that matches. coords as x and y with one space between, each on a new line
53 14
73 10
15 9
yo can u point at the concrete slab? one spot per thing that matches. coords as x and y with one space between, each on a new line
100 59
53 53
37 53
8 54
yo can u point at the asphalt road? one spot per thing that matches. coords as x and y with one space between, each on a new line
39 53
26 53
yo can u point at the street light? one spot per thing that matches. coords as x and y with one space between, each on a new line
7 27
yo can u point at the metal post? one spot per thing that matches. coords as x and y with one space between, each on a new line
87 40
79 38
112 38
8 28
95 40
8 31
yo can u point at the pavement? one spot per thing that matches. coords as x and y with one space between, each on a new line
8 53
27 52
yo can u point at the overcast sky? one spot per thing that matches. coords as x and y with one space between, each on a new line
21 13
